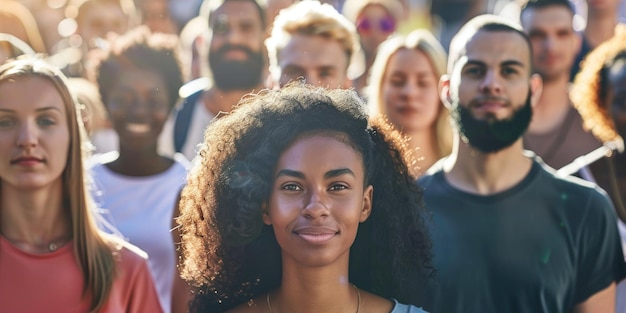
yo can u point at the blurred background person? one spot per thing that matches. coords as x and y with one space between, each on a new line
233 49
599 94
555 133
135 187
95 20
375 21
156 15
313 42
404 87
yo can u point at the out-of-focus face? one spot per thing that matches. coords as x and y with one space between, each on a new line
138 107
490 90
236 55
318 200
156 15
617 96
34 134
555 43
374 24
99 20
410 91
320 61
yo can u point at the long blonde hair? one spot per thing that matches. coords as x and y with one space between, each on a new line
94 253
425 42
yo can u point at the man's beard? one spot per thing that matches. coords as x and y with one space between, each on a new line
236 74
491 135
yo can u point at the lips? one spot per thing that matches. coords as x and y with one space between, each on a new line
316 235
27 161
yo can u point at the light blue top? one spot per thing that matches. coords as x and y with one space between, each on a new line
405 308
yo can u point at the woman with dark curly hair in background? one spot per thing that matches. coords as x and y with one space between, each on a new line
270 213
599 94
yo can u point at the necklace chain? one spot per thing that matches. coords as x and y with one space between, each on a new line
358 301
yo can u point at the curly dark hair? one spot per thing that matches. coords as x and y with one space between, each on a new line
232 256
138 48
591 86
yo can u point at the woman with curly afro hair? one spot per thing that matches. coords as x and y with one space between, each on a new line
271 209
599 94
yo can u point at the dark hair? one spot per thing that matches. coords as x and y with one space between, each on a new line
541 4
590 89
139 49
488 23
209 6
227 250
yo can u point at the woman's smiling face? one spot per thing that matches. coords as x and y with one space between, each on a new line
318 200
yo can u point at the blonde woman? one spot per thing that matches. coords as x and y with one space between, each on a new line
52 257
403 86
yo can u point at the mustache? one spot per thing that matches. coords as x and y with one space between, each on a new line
482 99
227 48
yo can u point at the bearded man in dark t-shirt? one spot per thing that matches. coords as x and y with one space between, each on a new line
508 234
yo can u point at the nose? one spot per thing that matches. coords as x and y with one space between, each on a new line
236 37
491 84
409 90
316 206
27 137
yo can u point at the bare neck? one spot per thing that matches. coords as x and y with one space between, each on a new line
217 100
315 289
600 27
33 217
552 107
486 173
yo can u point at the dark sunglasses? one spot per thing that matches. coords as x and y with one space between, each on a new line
386 24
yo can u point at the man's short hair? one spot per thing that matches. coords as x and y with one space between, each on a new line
540 4
311 18
485 22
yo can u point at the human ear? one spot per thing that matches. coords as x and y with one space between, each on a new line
366 210
536 87
265 214
444 87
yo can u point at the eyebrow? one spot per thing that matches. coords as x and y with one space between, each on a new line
38 110
503 63
327 175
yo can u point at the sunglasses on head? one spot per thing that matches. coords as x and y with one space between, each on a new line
386 24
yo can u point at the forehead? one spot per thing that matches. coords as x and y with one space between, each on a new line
511 47
550 17
313 51
236 11
409 60
373 10
134 77
17 93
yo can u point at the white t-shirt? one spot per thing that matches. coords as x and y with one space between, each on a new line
141 209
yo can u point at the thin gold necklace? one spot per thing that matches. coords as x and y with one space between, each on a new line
358 301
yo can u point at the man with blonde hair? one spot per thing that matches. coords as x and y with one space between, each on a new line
314 42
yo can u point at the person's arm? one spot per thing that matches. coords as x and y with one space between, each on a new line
601 301
181 291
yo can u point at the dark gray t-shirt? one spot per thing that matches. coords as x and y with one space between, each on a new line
545 245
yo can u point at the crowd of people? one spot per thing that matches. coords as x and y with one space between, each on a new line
312 156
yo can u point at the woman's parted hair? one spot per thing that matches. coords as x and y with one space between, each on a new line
420 40
93 252
591 86
227 250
